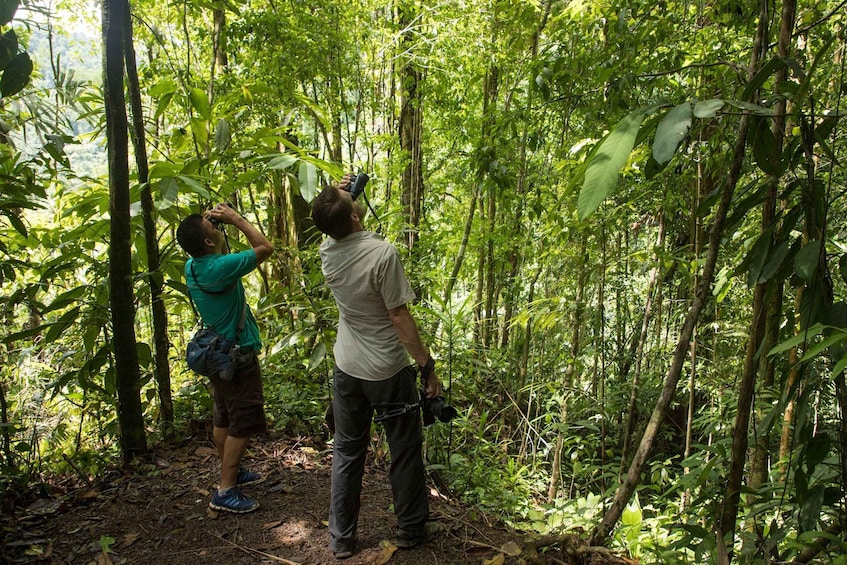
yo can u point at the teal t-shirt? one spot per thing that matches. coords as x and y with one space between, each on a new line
222 312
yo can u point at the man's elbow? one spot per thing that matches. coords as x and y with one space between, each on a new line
263 252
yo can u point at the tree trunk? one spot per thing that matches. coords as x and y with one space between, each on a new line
761 338
154 278
570 369
410 129
130 417
639 351
624 492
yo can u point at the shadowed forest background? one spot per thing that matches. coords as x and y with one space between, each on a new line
616 215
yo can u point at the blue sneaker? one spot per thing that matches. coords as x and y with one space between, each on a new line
233 501
246 478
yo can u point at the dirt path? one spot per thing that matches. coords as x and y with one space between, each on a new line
159 515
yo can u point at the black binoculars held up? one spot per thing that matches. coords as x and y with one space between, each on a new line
357 185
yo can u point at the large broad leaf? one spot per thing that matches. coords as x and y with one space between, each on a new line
601 174
7 10
671 131
806 261
752 108
308 177
200 102
16 75
769 69
283 161
223 135
707 108
8 47
766 149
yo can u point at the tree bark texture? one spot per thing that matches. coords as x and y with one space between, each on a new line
410 130
130 416
155 279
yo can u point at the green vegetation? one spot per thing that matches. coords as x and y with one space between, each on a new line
616 216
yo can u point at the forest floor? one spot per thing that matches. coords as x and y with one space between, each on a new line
158 513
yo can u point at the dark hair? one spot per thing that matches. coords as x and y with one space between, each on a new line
332 214
191 236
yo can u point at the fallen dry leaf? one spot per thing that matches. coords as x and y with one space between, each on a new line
271 525
130 539
386 554
512 549
498 559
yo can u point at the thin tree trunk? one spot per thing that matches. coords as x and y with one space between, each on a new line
410 129
570 369
624 492
115 15
639 352
763 300
154 279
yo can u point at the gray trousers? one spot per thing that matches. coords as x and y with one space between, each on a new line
354 403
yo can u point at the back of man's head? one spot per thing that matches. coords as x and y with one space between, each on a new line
332 214
191 235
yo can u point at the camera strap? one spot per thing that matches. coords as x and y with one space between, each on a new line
395 410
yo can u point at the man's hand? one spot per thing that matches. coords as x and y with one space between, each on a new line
345 181
223 213
433 386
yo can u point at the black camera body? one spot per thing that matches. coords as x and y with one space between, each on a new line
357 185
436 408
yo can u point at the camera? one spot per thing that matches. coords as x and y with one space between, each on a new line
357 185
436 408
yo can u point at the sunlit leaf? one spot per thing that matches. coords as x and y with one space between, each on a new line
601 175
200 102
708 108
223 135
308 177
671 131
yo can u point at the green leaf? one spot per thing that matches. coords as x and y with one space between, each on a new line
806 261
283 161
842 267
7 10
768 70
815 350
601 175
308 177
766 150
708 108
802 337
840 366
317 356
671 131
16 75
200 102
8 47
65 321
223 135
752 108
757 257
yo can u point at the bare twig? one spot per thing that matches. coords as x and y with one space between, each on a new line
250 551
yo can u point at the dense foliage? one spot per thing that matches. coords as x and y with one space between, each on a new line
616 216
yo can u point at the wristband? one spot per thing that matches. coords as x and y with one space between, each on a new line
428 368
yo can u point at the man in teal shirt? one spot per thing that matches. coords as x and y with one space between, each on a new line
213 276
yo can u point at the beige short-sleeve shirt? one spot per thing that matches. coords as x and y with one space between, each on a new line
366 277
